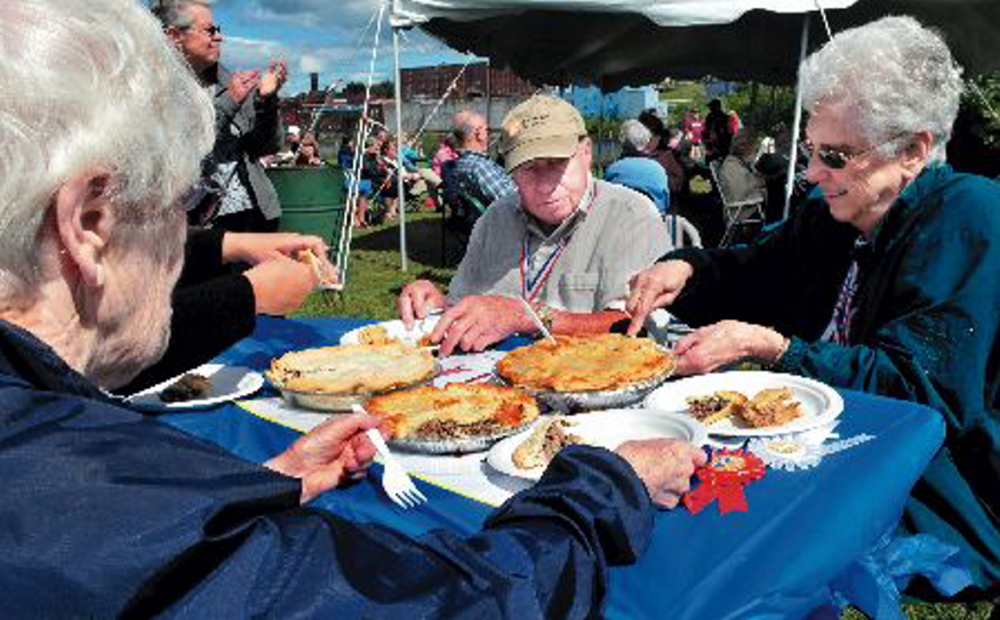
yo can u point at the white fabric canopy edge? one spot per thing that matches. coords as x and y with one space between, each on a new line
407 13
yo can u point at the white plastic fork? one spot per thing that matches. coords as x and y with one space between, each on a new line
397 483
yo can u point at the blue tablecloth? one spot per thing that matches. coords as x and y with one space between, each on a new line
809 539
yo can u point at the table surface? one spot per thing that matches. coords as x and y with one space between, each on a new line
808 538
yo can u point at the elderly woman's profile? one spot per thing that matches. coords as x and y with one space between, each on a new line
887 280
107 513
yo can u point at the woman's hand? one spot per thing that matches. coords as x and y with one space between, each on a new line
725 342
329 455
653 288
256 248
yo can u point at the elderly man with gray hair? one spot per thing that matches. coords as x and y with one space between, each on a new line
564 242
247 122
474 173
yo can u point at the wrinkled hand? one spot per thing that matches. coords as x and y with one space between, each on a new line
256 248
330 455
665 466
725 342
655 287
417 299
281 284
273 79
478 321
241 83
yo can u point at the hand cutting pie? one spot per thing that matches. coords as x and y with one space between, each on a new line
479 321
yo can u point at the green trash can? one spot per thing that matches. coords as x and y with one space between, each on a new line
312 200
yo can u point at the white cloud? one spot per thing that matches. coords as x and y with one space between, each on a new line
329 37
341 15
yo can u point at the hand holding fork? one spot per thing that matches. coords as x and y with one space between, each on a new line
397 483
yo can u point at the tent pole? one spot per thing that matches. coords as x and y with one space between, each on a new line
400 170
489 91
793 148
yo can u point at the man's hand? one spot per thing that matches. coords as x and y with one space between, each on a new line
329 455
417 299
256 248
281 284
241 83
272 79
653 288
725 342
478 321
665 466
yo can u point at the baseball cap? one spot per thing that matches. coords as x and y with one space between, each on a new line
293 130
541 127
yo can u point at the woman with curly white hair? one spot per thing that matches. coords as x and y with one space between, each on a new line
887 280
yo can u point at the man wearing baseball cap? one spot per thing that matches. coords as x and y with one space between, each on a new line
565 242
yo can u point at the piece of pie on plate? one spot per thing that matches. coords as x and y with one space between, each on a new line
585 363
717 406
773 407
545 441
352 368
455 411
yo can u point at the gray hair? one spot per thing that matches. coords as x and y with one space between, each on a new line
896 75
466 123
634 136
175 12
80 96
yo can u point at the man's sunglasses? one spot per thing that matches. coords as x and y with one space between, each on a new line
836 159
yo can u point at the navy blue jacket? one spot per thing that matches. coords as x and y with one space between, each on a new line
106 513
926 328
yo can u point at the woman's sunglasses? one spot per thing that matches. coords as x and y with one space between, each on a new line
836 159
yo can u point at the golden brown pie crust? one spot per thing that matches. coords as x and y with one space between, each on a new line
454 411
585 363
352 368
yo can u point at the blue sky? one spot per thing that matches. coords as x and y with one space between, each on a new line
333 37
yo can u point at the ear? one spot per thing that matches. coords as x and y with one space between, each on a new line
914 156
586 152
84 221
174 34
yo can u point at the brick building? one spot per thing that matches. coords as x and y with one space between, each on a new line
478 80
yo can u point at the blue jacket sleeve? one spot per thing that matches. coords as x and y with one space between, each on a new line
105 513
543 554
927 324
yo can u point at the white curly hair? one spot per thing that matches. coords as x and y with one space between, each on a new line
896 75
88 85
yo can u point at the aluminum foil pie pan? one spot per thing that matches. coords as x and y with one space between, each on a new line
478 443
340 402
589 400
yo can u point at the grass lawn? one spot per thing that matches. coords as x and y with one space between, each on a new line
375 279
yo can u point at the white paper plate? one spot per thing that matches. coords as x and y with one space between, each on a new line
608 429
396 329
228 383
820 403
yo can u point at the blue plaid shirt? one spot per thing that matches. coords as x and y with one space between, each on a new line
479 177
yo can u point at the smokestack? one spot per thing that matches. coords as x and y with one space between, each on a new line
313 82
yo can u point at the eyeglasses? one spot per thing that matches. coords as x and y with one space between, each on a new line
202 200
837 159
211 30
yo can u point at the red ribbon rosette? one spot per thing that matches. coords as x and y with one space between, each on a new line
723 478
